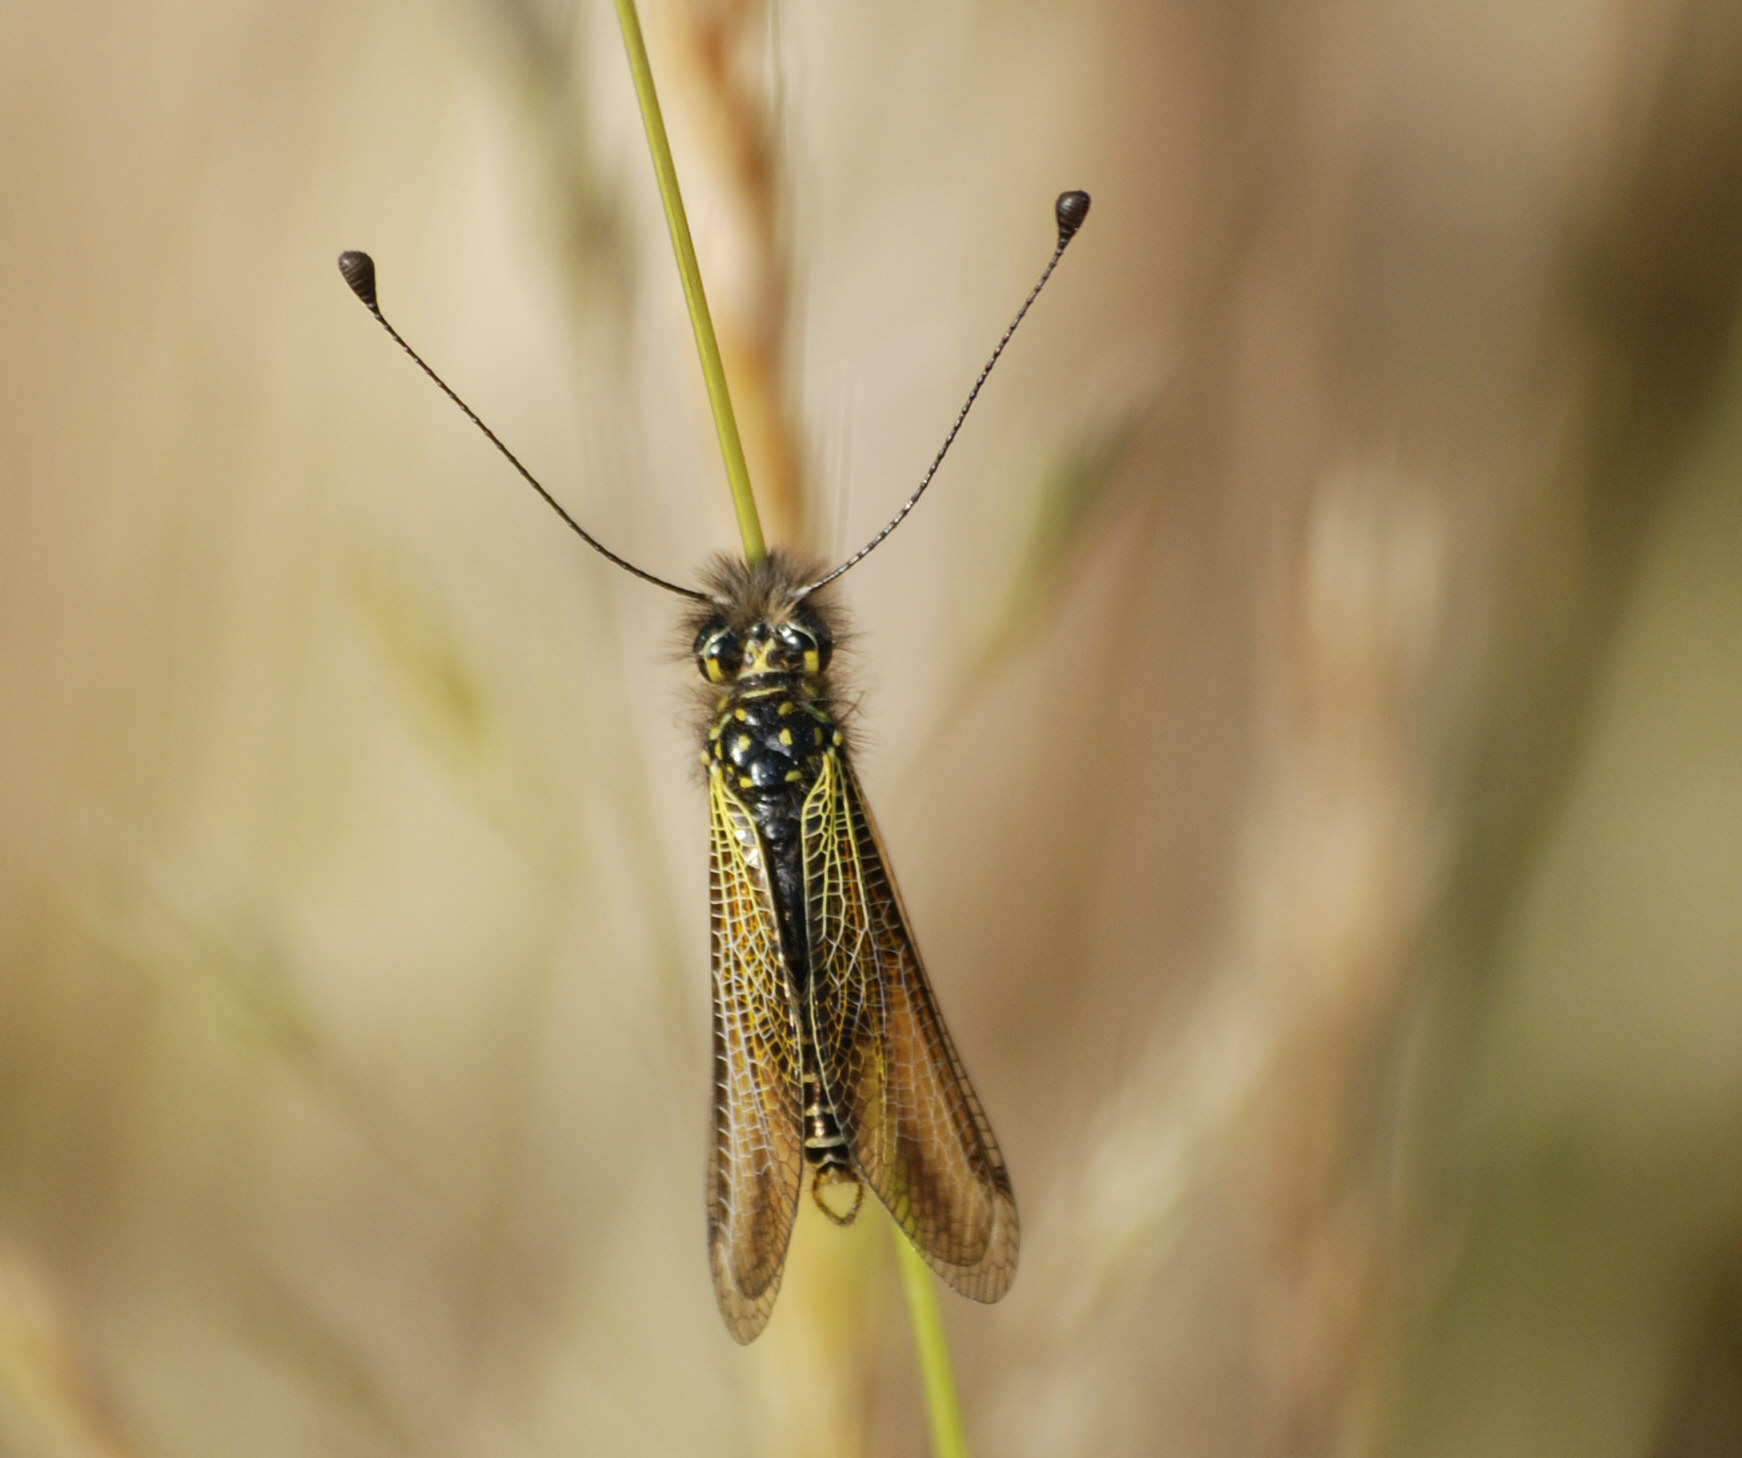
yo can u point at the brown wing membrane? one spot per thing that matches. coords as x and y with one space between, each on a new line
900 1095
756 1169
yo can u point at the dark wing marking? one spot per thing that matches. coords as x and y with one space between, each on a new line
756 1169
916 1129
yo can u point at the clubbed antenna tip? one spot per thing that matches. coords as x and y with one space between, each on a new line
359 269
1070 210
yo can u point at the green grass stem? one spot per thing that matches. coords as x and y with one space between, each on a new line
707 346
943 1411
942 1408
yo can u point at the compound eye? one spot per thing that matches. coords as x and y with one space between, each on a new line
818 640
719 653
808 644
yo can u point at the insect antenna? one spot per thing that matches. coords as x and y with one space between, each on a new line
359 272
1069 211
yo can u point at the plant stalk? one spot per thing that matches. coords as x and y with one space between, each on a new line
707 346
943 1411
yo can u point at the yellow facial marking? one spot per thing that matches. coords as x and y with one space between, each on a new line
786 737
758 656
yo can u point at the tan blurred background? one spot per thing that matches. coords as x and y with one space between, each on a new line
1307 716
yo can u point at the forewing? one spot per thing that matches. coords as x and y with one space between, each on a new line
757 1166
900 1096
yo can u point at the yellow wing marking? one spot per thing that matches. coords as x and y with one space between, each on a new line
901 1097
756 1168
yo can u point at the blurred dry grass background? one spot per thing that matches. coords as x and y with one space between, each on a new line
1307 716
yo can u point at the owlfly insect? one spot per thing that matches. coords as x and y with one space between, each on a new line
829 1051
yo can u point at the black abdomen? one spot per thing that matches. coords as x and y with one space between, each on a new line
769 738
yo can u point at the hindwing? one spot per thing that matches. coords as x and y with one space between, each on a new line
897 1087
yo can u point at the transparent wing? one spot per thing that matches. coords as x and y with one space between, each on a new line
902 1100
756 1169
